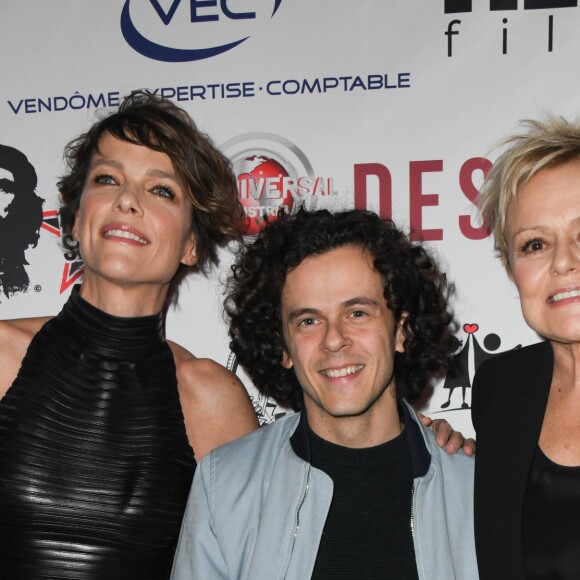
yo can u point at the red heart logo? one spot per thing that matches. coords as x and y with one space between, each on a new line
471 328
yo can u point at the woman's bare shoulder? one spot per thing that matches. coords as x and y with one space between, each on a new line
15 337
215 403
25 326
203 379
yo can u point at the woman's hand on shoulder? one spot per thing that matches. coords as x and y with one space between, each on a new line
216 406
15 337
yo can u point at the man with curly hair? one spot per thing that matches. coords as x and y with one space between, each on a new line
341 318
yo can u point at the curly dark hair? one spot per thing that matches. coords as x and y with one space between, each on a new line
205 173
412 282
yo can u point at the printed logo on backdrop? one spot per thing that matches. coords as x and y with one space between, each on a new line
212 91
453 32
267 410
273 174
471 355
20 219
190 30
73 266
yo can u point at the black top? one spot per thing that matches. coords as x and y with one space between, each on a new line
551 520
368 529
95 465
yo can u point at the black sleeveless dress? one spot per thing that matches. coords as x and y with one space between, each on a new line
95 465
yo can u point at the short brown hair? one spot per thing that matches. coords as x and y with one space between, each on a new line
204 172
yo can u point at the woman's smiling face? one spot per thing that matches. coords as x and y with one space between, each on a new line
543 233
134 219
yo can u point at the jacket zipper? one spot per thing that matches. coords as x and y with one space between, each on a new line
412 512
299 508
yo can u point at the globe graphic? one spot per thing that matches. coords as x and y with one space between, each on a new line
261 191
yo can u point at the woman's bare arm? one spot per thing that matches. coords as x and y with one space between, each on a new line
15 336
216 406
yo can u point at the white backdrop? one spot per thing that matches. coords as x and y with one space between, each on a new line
345 95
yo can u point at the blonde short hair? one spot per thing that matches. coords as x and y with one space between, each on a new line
545 144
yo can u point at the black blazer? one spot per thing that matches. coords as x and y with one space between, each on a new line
509 397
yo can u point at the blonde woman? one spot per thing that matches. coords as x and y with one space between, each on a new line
527 481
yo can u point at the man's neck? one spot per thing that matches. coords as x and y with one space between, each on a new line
375 427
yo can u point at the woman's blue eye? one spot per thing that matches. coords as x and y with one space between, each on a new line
164 191
105 179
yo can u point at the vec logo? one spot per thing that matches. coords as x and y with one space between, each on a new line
149 28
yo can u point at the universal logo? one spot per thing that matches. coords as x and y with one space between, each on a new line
273 173
463 6
212 26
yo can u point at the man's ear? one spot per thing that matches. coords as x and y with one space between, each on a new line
286 360
400 334
189 257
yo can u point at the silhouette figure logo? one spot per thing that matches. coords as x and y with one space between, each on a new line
459 375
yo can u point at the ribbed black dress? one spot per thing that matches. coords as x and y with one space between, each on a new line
95 466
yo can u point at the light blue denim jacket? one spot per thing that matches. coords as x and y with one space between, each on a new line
257 508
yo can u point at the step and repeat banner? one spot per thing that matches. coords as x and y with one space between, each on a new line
393 106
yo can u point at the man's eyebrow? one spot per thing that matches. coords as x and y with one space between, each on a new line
298 312
356 301
361 300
